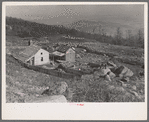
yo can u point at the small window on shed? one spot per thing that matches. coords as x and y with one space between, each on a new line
41 58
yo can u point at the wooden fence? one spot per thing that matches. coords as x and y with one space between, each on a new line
74 71
50 71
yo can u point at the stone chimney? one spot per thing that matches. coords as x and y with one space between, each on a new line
30 42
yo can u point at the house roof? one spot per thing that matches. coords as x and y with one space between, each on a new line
47 48
58 53
20 57
63 48
28 52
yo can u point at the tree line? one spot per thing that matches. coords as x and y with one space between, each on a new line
24 28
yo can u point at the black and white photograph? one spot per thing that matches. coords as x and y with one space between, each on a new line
76 54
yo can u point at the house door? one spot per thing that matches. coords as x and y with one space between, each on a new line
32 61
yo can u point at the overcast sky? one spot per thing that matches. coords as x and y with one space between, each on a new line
64 14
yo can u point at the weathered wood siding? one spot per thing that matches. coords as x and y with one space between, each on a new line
70 55
41 57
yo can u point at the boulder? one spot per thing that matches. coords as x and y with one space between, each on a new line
110 63
48 99
109 67
123 71
107 78
125 79
103 72
134 87
120 83
129 73
46 92
112 75
113 69
69 94
61 70
119 70
61 87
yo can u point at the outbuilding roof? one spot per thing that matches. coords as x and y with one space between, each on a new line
58 53
63 48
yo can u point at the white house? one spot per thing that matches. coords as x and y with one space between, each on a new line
34 55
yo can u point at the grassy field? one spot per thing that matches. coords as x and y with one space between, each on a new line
23 84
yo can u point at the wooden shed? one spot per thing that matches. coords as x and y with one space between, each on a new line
68 52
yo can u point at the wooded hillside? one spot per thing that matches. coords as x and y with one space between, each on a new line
23 28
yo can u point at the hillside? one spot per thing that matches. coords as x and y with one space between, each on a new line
100 27
23 28
101 31
23 85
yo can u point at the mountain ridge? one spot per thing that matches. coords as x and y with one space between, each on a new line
110 28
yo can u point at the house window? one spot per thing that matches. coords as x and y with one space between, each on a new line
41 58
41 53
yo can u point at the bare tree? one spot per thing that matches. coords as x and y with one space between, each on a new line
118 36
99 29
103 32
130 41
94 30
140 39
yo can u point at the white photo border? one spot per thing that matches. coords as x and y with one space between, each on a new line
69 111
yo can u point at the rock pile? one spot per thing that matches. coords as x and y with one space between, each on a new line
105 73
55 93
123 71
114 84
111 71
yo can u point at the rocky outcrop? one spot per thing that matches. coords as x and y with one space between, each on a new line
110 63
62 86
107 77
112 75
125 79
102 72
123 71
